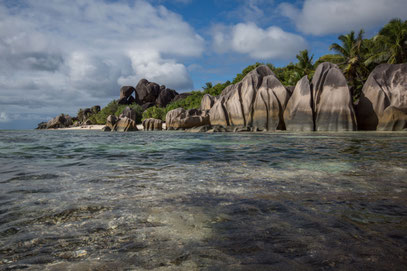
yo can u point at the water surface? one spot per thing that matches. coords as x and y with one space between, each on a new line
82 200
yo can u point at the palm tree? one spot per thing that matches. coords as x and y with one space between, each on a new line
390 45
305 65
350 58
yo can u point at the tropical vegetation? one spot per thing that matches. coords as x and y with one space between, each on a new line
354 54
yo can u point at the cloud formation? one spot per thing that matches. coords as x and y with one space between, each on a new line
61 54
258 43
319 17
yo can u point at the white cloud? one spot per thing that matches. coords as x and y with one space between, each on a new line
150 65
258 43
59 55
319 17
4 117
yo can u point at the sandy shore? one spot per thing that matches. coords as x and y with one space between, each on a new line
97 127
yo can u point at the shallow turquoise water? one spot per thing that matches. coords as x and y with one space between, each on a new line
181 201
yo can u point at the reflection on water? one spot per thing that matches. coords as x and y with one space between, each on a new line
85 200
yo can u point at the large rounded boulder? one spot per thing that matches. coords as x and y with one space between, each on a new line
298 115
386 86
332 100
152 124
269 105
165 97
258 102
184 119
147 92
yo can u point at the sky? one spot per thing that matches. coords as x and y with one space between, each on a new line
57 56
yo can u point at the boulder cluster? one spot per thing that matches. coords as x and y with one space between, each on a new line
126 122
147 94
261 103
65 121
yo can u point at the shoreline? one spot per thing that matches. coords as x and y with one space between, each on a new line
96 127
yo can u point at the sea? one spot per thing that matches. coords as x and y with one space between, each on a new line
168 200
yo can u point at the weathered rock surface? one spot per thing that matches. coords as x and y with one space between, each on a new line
125 124
269 105
165 97
152 124
207 102
129 113
257 101
111 121
386 86
393 119
298 115
61 121
332 101
147 92
184 119
106 128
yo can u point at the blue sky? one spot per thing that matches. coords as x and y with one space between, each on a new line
58 56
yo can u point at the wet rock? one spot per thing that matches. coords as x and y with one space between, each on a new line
111 121
147 92
106 128
61 121
393 119
207 102
200 129
152 124
184 119
298 115
125 124
165 97
386 86
332 101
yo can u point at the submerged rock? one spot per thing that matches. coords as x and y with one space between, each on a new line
332 101
184 119
106 128
152 124
298 115
386 86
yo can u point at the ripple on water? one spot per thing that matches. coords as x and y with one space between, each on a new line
181 201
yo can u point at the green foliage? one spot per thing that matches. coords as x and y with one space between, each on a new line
155 113
248 69
215 90
113 108
390 45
